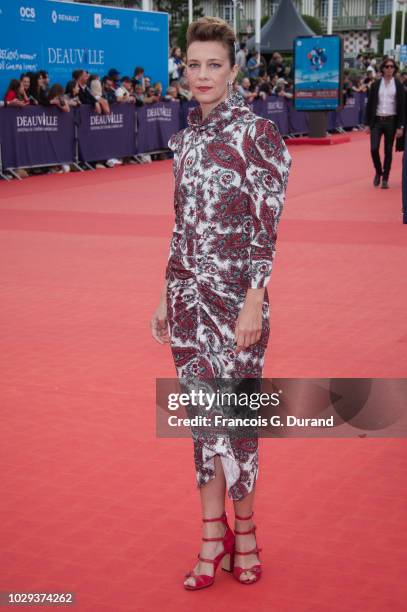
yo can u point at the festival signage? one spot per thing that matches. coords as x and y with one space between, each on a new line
318 73
61 37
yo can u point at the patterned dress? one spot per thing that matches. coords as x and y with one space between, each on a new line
231 171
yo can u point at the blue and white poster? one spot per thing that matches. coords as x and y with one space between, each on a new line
60 37
317 73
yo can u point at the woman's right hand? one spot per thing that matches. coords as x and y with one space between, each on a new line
159 323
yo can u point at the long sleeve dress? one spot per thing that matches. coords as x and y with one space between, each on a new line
231 171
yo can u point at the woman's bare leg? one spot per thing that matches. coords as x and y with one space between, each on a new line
244 507
213 505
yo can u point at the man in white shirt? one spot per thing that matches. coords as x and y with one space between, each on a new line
385 116
241 58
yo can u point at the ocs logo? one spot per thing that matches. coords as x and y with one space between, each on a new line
54 16
97 20
27 12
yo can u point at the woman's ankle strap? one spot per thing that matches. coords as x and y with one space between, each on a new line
244 518
220 518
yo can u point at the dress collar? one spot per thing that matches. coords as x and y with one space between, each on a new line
222 113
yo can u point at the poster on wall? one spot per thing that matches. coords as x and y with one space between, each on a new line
61 37
318 68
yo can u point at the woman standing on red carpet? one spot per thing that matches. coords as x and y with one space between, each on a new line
231 170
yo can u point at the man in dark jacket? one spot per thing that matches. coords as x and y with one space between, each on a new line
84 94
276 66
384 115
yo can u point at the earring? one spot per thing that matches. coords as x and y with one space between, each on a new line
230 88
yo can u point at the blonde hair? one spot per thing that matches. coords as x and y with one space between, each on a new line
216 29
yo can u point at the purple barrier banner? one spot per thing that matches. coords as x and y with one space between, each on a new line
258 107
298 122
36 136
104 136
331 120
362 102
349 115
156 124
276 110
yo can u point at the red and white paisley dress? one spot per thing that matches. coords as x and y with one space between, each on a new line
231 171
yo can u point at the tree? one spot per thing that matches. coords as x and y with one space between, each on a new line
182 35
313 23
178 11
180 31
385 31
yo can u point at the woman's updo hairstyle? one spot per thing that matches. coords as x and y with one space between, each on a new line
213 29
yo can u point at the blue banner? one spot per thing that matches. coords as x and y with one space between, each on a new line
64 36
317 72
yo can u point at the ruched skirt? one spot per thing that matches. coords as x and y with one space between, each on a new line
202 315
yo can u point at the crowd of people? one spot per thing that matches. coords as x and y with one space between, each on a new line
257 79
84 88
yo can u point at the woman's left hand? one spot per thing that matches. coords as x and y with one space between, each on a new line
250 320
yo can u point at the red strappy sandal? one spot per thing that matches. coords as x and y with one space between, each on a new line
255 569
226 556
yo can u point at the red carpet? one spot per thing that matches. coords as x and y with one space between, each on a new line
92 501
332 139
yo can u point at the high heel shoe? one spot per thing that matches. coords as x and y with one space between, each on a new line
226 556
254 569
